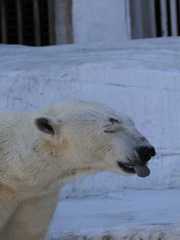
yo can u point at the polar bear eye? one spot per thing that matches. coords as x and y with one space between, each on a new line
113 127
114 120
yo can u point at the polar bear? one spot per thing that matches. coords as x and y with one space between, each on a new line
41 151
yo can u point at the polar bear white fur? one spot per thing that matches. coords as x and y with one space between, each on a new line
41 151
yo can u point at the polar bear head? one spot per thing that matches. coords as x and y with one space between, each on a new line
90 137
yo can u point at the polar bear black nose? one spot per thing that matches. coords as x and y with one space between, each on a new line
146 152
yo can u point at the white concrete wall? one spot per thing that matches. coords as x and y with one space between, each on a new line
103 21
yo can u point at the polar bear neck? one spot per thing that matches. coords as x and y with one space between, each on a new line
21 165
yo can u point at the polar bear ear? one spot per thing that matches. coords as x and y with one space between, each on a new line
46 125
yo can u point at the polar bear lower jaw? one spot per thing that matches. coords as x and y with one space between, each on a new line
126 167
140 170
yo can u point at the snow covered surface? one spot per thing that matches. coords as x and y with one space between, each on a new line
140 78
133 215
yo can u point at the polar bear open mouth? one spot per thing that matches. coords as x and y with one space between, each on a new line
140 170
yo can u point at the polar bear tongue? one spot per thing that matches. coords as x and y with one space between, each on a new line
142 171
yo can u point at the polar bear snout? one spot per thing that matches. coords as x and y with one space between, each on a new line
136 162
145 153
